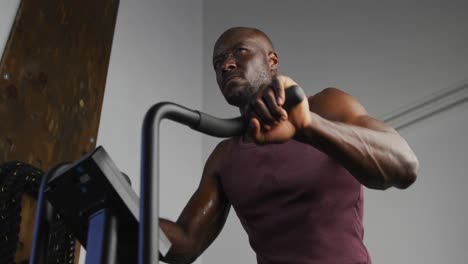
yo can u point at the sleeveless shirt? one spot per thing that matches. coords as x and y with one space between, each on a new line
297 205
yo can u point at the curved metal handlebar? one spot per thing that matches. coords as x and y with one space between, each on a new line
148 248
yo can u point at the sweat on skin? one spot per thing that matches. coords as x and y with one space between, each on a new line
331 122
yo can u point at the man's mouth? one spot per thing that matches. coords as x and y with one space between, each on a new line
230 78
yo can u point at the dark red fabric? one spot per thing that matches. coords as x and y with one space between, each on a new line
297 205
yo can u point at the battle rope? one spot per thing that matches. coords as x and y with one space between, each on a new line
17 179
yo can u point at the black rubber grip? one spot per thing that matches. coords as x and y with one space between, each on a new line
233 127
294 95
218 127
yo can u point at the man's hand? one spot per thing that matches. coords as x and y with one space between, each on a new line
269 122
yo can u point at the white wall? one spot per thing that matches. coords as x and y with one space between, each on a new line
427 223
385 53
8 10
156 56
151 62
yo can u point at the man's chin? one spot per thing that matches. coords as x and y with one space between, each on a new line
236 93
235 84
235 100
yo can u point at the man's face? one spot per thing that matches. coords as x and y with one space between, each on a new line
241 63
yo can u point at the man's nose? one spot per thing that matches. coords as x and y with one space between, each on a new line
229 64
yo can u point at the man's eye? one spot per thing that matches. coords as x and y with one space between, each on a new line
242 50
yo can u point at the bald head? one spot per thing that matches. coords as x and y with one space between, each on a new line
241 33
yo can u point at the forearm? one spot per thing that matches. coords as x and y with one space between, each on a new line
197 227
182 249
379 158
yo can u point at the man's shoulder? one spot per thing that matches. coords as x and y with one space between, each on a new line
330 93
335 104
224 145
219 153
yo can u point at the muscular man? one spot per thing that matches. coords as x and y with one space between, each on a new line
294 179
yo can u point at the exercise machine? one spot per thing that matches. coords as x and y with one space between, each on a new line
99 206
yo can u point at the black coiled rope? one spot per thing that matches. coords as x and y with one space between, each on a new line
17 179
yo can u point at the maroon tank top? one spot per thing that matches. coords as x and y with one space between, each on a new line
297 205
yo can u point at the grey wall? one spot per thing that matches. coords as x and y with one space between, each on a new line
8 10
426 223
387 54
151 62
156 56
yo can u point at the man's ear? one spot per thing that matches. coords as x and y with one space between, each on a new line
273 60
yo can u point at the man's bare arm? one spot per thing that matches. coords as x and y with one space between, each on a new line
337 124
202 218
372 151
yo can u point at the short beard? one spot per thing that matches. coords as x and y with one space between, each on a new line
264 78
243 96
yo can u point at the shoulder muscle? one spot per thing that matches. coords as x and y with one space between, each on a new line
337 105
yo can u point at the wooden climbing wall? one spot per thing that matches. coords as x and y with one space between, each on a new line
52 78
